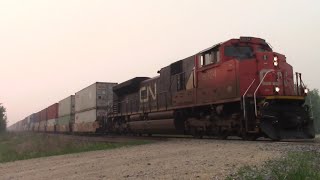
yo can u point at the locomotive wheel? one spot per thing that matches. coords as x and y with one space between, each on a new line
224 135
197 134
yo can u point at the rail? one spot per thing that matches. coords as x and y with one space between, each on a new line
255 92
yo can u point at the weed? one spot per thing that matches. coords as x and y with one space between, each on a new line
19 146
294 166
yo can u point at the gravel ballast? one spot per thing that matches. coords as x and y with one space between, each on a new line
172 159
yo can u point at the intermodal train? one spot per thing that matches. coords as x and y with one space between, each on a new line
239 87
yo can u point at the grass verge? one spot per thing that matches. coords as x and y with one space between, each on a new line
294 166
19 146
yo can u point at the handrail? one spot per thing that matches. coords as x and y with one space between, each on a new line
243 97
254 95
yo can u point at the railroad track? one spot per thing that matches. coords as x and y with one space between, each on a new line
122 138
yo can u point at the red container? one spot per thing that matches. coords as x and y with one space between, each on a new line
43 115
52 111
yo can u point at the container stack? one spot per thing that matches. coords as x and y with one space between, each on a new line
92 105
66 114
37 121
28 123
52 117
32 122
43 120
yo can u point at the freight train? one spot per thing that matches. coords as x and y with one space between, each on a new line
239 87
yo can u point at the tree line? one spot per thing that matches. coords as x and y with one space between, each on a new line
313 101
3 119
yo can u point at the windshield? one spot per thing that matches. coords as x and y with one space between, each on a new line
241 52
263 49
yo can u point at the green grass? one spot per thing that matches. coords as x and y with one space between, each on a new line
294 166
19 146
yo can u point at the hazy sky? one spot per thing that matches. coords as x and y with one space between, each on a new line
50 49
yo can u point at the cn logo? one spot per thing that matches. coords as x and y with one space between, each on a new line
148 91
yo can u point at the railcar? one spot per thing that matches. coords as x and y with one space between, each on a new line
240 87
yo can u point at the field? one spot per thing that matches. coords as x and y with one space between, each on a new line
171 158
19 146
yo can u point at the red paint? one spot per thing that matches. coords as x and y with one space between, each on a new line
231 77
52 111
43 115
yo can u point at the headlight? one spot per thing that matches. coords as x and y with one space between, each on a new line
275 58
275 61
306 90
277 89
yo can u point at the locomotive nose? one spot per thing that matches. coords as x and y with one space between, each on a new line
274 72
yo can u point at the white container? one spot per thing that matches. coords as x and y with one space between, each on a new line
66 106
28 119
42 126
87 121
51 125
97 95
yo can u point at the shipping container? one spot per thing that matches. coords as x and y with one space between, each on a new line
37 121
52 111
91 106
87 121
43 115
23 124
52 116
66 114
66 106
64 123
36 126
42 126
43 120
20 125
32 122
94 96
51 125
28 119
37 117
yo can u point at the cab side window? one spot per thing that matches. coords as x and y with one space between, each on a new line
209 57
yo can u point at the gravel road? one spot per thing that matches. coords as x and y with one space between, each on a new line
173 159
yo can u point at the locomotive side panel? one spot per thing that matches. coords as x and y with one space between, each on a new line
148 95
183 91
216 79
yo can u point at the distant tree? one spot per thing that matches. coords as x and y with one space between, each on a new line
313 100
3 119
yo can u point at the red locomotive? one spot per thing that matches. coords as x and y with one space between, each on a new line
236 88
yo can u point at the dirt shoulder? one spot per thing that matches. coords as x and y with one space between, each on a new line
173 159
